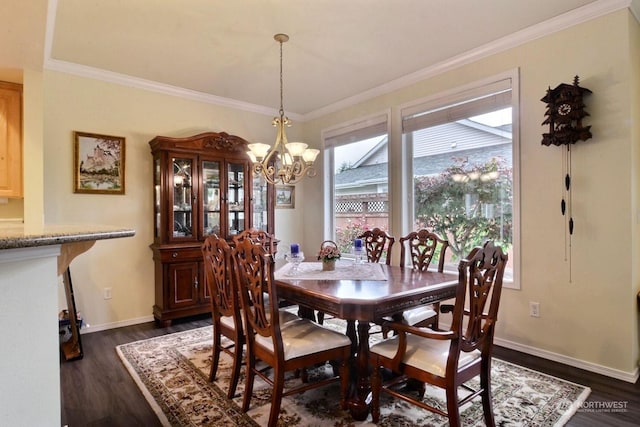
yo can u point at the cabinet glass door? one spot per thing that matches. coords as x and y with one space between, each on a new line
235 197
211 197
260 199
182 197
156 199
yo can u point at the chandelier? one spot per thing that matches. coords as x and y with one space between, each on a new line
286 162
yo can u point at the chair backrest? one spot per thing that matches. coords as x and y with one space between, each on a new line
377 243
480 276
219 278
257 236
254 269
422 246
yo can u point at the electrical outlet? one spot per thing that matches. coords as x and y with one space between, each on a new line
534 309
107 293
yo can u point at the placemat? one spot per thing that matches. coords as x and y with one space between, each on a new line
345 270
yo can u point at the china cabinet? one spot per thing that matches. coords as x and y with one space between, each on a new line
203 185
10 140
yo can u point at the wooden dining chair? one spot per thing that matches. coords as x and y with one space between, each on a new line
225 307
418 249
265 239
378 244
268 240
448 359
289 346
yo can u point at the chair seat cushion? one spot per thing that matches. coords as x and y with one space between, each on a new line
285 316
228 321
302 337
418 314
423 353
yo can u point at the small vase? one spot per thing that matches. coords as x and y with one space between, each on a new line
328 265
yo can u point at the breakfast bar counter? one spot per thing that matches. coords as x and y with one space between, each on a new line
16 236
31 259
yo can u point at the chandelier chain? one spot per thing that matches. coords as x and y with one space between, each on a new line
281 84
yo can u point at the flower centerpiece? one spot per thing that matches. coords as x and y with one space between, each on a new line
329 254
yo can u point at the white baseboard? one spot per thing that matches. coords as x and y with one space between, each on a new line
87 329
631 377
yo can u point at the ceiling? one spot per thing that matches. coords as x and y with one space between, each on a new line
223 51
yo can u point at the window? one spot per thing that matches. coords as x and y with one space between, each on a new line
463 180
357 176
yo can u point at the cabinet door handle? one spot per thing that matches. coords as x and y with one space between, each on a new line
174 255
196 283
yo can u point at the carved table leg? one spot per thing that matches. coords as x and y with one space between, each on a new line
359 402
351 333
306 313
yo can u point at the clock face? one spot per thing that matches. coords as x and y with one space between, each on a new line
564 109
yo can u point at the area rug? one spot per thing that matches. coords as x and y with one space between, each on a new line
172 373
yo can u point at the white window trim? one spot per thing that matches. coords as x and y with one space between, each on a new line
465 92
333 133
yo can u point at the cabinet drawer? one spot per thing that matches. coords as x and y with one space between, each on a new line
178 255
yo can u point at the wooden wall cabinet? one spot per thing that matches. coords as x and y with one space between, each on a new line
10 140
203 185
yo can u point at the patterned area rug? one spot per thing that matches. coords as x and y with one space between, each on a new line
172 373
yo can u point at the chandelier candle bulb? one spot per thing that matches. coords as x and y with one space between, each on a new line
287 159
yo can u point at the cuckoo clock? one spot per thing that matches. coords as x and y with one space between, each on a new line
565 111
564 115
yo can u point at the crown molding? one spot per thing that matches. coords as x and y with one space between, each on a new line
569 19
135 82
558 23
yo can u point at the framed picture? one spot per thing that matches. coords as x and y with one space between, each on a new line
285 196
98 164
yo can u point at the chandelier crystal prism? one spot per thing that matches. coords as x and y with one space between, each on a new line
285 162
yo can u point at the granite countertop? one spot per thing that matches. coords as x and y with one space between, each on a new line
14 236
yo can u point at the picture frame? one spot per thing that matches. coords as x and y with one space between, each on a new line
99 163
285 196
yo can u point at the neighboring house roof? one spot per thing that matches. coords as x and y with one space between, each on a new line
378 154
426 165
362 175
434 149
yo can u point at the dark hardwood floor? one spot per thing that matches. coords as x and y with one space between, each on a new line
98 391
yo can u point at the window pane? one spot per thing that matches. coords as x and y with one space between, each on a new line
463 180
360 191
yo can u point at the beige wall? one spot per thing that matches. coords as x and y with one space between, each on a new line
33 147
125 265
588 315
11 209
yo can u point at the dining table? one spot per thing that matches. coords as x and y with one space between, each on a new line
361 294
